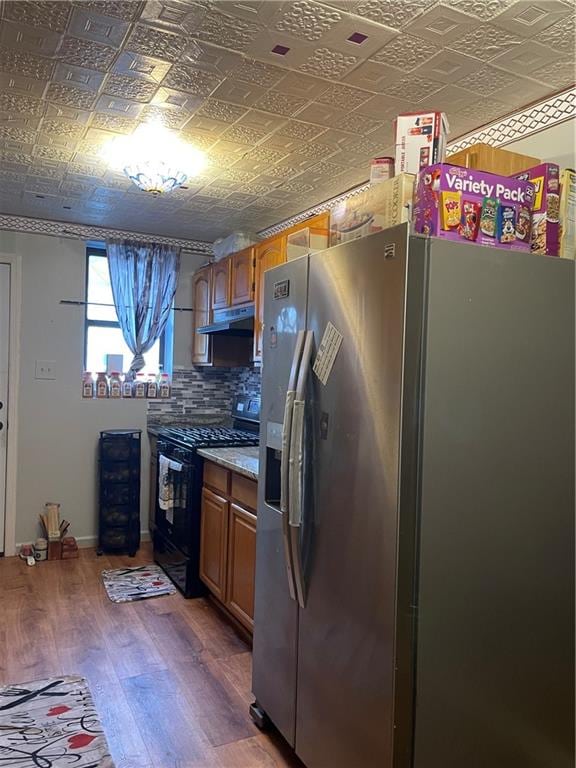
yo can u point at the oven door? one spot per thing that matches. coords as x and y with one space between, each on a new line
174 506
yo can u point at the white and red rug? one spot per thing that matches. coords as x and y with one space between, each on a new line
51 724
123 585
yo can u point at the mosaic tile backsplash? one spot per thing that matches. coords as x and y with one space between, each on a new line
203 392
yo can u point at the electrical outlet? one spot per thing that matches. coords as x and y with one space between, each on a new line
45 369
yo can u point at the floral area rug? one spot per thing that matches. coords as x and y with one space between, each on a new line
124 585
51 724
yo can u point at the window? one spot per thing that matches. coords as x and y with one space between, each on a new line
103 335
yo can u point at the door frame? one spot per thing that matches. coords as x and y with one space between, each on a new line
15 262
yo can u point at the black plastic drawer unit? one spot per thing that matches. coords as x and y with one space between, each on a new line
119 476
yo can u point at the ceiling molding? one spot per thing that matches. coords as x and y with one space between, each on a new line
24 224
533 119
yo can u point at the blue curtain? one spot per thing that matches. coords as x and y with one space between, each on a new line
144 278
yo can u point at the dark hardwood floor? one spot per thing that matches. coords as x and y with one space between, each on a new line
170 678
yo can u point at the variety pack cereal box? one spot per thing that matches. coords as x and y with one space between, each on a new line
474 206
546 211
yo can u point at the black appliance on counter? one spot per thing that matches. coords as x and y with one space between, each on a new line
119 479
176 534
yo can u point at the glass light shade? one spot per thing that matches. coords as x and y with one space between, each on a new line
154 158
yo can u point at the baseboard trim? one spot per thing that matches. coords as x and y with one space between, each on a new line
86 542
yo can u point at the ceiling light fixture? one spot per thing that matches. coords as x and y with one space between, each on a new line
154 158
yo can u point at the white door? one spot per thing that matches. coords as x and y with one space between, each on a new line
4 356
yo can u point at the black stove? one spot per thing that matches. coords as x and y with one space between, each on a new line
208 437
176 530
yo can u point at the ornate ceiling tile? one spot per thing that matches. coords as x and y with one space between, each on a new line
257 72
192 80
560 36
306 20
70 96
485 42
25 63
243 134
483 9
27 86
412 88
130 88
78 77
88 25
127 10
86 53
171 118
17 134
558 74
144 67
329 64
357 123
115 105
62 128
114 123
221 111
406 52
12 102
344 97
392 13
51 15
314 151
281 103
483 110
156 42
33 39
227 31
487 81
58 154
299 130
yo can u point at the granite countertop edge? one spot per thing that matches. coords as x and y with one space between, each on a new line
241 460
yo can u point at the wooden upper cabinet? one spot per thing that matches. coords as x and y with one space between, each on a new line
268 254
201 298
221 284
243 276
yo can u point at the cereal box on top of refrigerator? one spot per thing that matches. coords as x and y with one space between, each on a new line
546 210
473 206
420 140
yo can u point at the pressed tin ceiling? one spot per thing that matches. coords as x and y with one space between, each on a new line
289 100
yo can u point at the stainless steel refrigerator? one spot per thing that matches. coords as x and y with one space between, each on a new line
415 538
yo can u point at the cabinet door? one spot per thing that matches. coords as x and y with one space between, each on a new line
268 254
213 542
221 284
243 276
201 296
241 565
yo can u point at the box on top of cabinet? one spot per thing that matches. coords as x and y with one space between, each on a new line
568 214
383 205
468 205
545 237
420 140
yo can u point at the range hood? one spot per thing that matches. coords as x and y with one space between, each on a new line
232 321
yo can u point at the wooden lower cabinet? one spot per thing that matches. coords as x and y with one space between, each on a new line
153 489
228 540
214 543
241 561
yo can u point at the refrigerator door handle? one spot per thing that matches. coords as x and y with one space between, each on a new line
285 461
297 469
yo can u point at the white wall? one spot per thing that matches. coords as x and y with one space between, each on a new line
556 144
57 430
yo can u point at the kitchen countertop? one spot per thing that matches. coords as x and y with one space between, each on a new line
241 460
